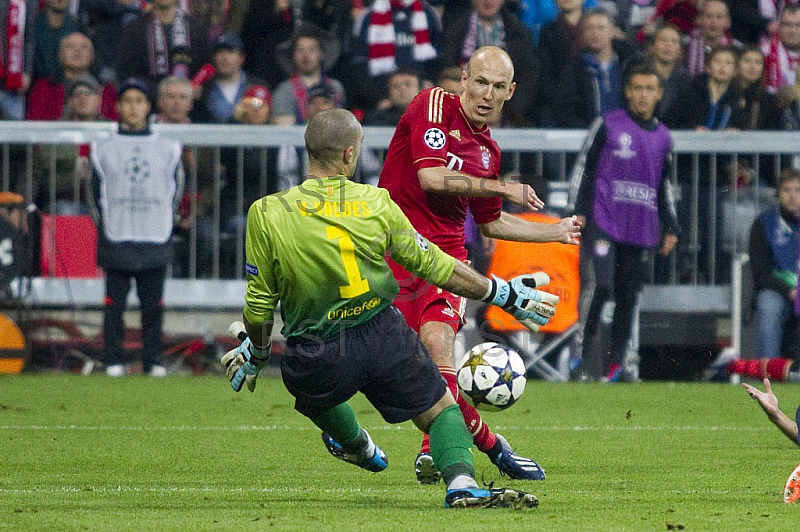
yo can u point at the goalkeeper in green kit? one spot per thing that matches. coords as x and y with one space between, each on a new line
319 250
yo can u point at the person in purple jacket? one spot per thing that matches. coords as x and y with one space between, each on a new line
620 191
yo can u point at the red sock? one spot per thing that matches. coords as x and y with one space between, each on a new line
776 369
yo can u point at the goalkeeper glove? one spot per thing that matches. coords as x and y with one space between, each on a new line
532 308
243 364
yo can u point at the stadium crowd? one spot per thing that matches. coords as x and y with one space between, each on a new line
345 52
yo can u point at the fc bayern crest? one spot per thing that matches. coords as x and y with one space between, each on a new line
435 138
485 159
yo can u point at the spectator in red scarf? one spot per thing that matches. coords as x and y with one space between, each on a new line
394 34
782 51
16 55
712 31
163 42
75 58
291 98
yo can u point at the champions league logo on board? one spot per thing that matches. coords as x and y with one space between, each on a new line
625 152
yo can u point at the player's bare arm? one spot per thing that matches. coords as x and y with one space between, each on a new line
769 403
510 227
443 180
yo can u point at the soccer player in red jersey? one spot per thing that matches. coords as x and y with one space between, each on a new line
442 160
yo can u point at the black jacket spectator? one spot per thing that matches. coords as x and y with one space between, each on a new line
107 18
673 86
262 26
758 108
693 109
575 101
559 43
747 23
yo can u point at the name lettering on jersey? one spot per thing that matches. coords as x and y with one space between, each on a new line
485 157
335 209
455 133
349 312
435 138
435 105
454 162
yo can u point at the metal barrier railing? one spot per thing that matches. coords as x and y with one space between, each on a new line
715 214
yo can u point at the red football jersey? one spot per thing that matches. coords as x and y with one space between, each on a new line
434 131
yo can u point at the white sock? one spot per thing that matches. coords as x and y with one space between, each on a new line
461 482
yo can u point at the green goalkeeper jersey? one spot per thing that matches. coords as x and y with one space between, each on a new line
319 249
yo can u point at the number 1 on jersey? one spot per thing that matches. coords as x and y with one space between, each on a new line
357 285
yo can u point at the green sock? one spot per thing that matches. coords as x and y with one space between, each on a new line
340 422
451 444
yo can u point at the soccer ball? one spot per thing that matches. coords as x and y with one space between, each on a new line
791 492
491 376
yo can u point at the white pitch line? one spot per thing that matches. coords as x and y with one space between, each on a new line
245 428
286 490
184 489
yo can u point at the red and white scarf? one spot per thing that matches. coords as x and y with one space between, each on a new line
158 47
697 49
780 65
12 65
381 37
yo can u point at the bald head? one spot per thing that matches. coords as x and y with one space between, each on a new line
491 57
487 83
329 134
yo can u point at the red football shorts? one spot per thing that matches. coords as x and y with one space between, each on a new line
420 302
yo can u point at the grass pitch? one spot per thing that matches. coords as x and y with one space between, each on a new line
187 453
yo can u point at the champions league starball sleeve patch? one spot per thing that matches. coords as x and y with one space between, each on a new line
422 242
435 138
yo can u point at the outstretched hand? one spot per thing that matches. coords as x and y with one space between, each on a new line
532 308
769 403
571 228
767 399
